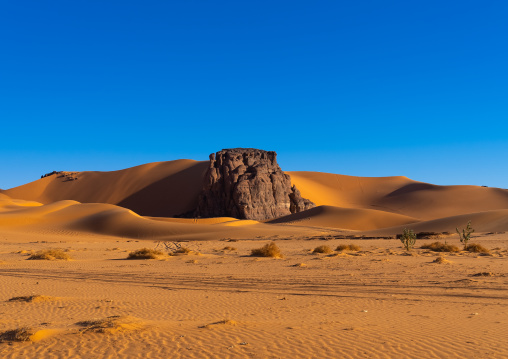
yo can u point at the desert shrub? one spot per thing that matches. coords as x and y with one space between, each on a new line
268 250
32 299
50 255
430 235
441 260
183 250
111 325
476 248
465 236
17 335
145 253
348 247
219 323
440 247
229 248
323 249
408 239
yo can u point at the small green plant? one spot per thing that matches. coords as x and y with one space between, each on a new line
408 239
465 236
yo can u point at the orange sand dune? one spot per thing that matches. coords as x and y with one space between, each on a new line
154 189
398 195
345 218
487 221
166 189
66 217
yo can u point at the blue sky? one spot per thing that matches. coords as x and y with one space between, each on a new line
367 88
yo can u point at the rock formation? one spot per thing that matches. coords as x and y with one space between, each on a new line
247 183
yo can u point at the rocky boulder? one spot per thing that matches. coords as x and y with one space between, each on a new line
247 183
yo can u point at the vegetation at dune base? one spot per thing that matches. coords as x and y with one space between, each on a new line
268 250
111 325
32 299
323 249
229 248
50 255
440 247
476 248
145 253
347 247
408 239
182 250
23 334
465 235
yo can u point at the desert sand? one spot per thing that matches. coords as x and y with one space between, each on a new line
218 301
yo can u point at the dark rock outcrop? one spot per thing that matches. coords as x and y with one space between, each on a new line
247 183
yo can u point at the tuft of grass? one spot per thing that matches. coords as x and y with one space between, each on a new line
229 248
483 274
323 249
348 247
32 299
441 260
300 265
23 334
221 322
476 248
440 247
268 250
50 255
111 325
145 253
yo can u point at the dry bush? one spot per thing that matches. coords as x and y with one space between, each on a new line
476 248
50 255
300 265
145 253
441 260
221 322
229 248
348 247
23 334
440 247
111 325
483 274
184 250
432 235
323 249
268 250
32 299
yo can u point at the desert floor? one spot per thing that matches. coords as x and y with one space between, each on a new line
379 302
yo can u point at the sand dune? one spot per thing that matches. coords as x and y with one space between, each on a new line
365 303
165 189
398 195
345 218
153 189
105 219
487 221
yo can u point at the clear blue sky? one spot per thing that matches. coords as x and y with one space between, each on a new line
368 88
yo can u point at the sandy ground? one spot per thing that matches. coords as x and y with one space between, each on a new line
379 302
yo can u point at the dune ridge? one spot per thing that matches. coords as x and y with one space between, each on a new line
154 189
400 195
162 190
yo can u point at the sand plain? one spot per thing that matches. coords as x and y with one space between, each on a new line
219 302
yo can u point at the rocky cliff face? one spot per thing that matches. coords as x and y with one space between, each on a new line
247 183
